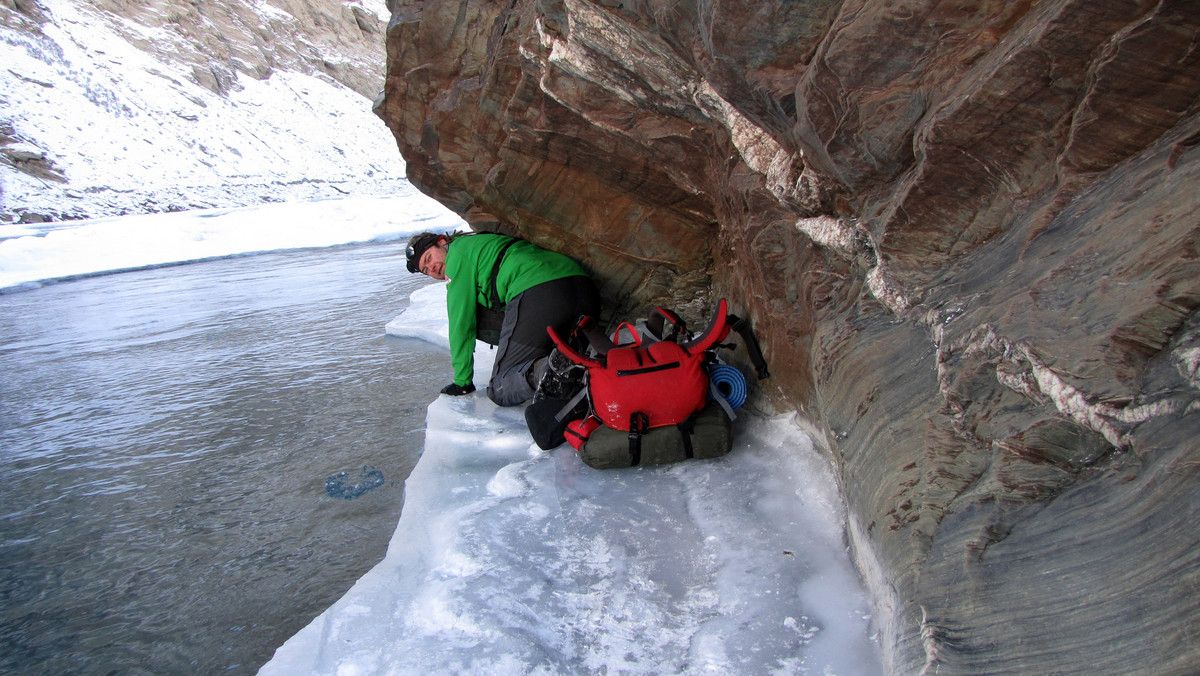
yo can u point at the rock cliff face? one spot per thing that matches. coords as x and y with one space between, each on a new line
968 235
220 40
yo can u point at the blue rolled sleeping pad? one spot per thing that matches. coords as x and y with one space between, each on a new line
730 383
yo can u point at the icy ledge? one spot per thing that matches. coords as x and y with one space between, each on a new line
511 560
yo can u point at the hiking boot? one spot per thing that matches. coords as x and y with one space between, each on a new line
536 371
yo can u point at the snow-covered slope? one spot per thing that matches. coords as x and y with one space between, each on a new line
102 114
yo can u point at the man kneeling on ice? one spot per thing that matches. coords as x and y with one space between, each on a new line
534 287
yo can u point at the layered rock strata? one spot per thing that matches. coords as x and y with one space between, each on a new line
968 235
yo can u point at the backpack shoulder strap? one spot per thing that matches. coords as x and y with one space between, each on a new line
596 337
663 325
493 296
715 333
747 333
570 352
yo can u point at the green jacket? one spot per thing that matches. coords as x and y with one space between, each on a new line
469 262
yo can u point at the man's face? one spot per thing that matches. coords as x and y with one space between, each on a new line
433 261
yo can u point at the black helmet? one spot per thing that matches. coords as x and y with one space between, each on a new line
417 246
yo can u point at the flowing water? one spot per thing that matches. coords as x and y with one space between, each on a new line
197 460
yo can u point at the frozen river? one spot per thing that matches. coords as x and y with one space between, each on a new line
197 461
166 437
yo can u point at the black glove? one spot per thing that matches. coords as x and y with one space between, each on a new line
458 390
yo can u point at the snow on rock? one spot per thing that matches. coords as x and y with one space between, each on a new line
511 560
101 115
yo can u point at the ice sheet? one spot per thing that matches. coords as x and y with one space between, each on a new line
512 560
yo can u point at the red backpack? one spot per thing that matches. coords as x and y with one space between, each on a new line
639 385
659 397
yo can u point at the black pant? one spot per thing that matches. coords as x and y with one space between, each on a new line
523 337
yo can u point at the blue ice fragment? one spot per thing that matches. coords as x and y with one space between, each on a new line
342 486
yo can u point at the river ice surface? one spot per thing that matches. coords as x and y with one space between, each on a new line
511 560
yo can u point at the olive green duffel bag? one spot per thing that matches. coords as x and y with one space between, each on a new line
707 434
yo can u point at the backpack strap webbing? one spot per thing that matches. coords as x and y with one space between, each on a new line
596 337
720 399
685 432
493 296
665 325
639 424
569 351
570 405
756 356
